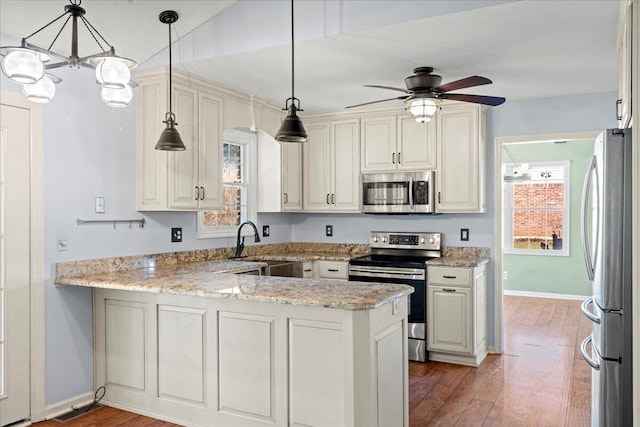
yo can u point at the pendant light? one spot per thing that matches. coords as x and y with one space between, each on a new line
170 138
292 129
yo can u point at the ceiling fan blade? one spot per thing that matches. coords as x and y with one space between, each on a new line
464 83
389 87
375 102
476 99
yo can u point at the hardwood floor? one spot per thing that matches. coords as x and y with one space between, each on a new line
540 380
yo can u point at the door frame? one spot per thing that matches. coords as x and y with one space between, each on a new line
498 287
36 255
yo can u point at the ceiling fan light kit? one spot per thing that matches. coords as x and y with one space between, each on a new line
27 64
292 129
422 109
170 139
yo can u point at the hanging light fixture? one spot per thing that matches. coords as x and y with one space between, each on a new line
27 64
170 138
422 107
292 129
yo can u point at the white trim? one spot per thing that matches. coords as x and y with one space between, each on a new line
37 267
68 405
546 295
498 291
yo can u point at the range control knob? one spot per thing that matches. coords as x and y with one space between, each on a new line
432 240
423 240
375 238
384 239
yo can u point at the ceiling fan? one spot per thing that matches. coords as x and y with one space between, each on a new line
424 93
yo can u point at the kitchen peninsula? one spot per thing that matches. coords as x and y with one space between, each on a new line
195 344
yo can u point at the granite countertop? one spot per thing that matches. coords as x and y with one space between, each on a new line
210 279
303 256
457 262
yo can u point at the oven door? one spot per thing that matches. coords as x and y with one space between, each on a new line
414 277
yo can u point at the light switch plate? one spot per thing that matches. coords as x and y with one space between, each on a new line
464 234
62 243
176 234
99 204
265 231
329 230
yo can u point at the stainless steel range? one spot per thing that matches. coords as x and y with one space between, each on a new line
400 258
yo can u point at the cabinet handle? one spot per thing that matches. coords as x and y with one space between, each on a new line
203 193
333 270
328 199
197 192
307 270
618 109
333 199
393 158
449 277
399 158
439 200
448 290
286 198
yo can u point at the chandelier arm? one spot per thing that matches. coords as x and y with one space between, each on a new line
42 28
45 51
89 27
59 32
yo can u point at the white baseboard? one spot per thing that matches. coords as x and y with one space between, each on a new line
546 295
67 405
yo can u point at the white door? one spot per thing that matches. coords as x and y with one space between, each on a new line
15 143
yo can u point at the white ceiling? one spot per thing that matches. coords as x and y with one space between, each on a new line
530 49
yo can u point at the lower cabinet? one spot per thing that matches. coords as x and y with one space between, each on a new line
331 270
457 314
231 362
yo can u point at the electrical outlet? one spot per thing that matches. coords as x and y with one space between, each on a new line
265 231
329 230
464 234
99 204
504 275
176 234
62 243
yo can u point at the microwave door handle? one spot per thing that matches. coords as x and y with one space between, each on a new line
411 201
586 241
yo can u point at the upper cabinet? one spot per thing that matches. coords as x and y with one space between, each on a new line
625 47
460 181
331 167
391 143
180 180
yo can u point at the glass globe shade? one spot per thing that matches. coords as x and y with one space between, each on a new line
23 66
112 73
41 91
117 97
422 109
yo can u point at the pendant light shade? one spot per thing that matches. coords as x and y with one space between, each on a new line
117 97
170 137
41 91
112 73
22 65
292 129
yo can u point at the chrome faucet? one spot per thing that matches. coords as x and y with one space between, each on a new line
239 244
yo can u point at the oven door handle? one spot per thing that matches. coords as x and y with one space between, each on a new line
387 274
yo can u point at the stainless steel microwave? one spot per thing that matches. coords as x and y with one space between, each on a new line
400 192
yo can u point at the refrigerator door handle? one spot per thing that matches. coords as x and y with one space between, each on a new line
585 355
589 258
588 313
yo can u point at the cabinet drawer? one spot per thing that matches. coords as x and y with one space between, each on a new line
449 276
333 270
307 270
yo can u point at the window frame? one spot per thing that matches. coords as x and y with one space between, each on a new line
508 210
250 160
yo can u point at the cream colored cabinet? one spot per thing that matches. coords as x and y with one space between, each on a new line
291 176
625 45
331 166
460 181
179 180
324 269
457 314
394 143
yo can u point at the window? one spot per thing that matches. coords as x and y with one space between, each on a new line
536 208
239 188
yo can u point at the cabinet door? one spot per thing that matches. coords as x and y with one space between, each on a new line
291 177
480 307
210 109
450 324
416 144
183 165
378 144
151 167
461 149
624 48
316 196
346 165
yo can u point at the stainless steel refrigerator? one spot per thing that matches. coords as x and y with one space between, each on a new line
606 241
